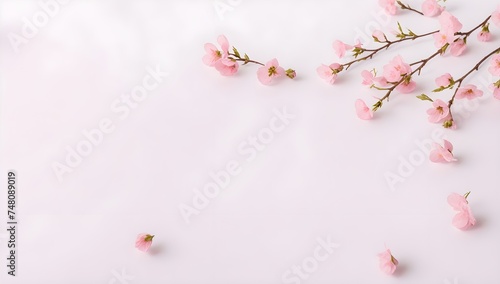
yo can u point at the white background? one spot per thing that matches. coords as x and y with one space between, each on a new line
323 175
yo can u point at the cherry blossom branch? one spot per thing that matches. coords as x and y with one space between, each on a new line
407 77
246 58
403 37
458 83
468 33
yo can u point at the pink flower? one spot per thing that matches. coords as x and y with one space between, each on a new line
496 90
440 154
484 36
495 65
144 241
379 36
213 54
367 78
389 6
340 48
270 71
329 73
444 80
381 81
226 67
458 47
406 87
449 23
387 262
440 39
439 111
464 218
363 111
396 69
431 8
495 17
469 92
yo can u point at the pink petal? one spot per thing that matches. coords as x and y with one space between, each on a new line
457 201
461 220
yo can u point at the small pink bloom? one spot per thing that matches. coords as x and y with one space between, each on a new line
440 154
495 65
469 92
449 23
431 8
457 201
144 241
496 91
464 218
440 39
389 6
458 47
340 48
495 17
387 262
226 67
213 54
270 71
329 73
406 87
444 80
439 111
363 111
396 69
379 36
367 78
484 36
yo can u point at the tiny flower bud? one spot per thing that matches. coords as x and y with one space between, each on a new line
290 73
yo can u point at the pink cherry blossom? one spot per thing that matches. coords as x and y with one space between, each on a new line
340 48
379 36
458 47
449 23
387 262
444 80
457 201
367 78
213 55
495 17
464 218
396 69
431 8
440 154
144 241
440 39
406 87
484 36
329 73
495 65
226 67
496 90
270 71
362 110
469 92
439 111
389 6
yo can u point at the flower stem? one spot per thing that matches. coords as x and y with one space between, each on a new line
387 44
407 7
468 33
237 57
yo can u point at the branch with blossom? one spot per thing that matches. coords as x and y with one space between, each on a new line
226 62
